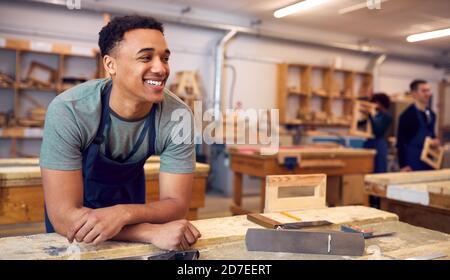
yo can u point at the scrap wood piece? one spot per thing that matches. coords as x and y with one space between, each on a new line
272 224
384 179
432 155
5 80
294 192
320 116
36 116
263 221
417 251
41 74
337 215
359 106
25 122
14 132
320 92
186 86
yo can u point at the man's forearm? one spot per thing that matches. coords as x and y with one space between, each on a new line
65 220
131 214
136 233
162 211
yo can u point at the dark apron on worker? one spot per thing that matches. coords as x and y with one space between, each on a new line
415 145
381 146
108 182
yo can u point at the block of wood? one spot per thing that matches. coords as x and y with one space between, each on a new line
428 188
385 179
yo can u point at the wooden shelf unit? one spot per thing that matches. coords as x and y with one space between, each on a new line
22 48
330 90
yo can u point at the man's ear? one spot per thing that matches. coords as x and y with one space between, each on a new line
110 65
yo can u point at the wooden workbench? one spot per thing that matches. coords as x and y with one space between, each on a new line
335 162
420 198
22 198
223 238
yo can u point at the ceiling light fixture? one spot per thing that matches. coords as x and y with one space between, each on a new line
362 5
297 7
428 35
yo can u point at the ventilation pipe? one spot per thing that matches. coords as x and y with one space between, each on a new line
218 77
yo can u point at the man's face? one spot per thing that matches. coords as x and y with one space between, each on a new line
422 94
142 66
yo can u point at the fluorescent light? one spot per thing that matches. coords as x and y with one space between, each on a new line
297 7
428 35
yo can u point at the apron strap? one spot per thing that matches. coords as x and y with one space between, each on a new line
100 137
152 132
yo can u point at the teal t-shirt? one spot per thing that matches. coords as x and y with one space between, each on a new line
73 118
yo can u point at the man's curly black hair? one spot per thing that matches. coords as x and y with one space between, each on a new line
112 33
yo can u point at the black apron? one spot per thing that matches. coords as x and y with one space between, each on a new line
108 182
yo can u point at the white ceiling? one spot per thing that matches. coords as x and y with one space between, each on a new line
393 22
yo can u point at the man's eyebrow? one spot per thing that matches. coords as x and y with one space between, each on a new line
167 51
146 50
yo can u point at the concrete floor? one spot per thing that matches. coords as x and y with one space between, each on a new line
218 205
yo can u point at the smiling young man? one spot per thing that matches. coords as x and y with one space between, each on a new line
98 136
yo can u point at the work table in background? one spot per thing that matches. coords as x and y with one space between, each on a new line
345 168
223 238
420 198
22 198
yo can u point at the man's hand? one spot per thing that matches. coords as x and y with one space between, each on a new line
364 111
435 143
406 169
176 235
98 225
